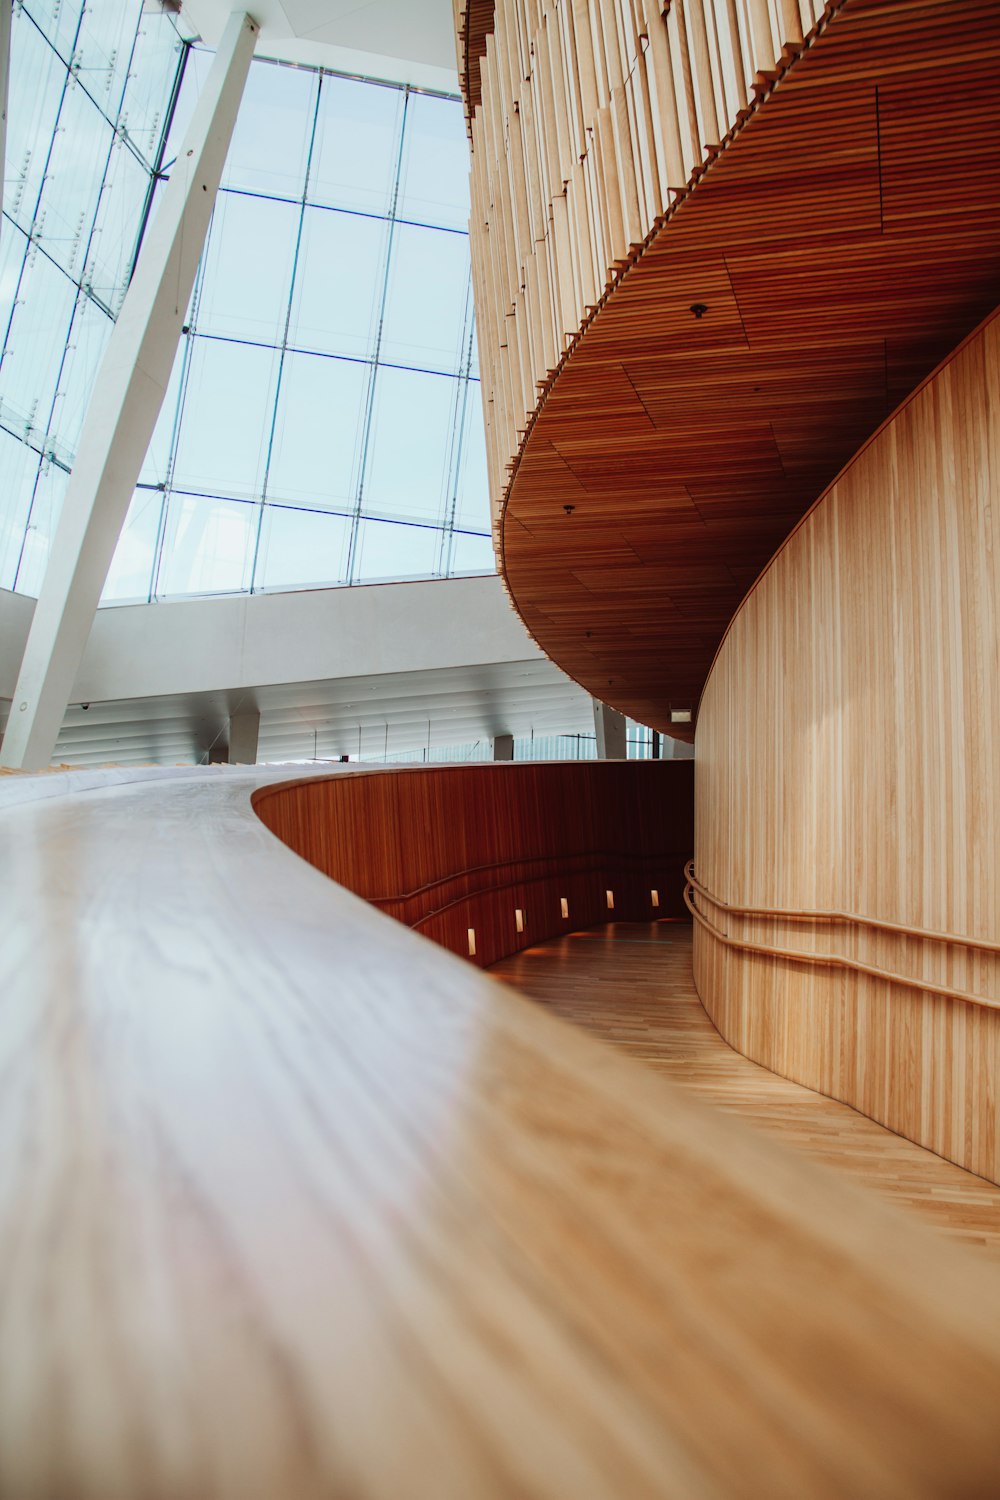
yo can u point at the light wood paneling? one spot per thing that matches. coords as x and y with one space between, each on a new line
452 848
295 1205
842 238
473 23
631 985
860 681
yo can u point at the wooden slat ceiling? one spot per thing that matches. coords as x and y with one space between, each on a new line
843 243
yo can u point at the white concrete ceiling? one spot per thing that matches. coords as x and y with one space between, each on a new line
409 713
405 41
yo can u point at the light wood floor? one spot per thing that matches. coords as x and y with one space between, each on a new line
631 984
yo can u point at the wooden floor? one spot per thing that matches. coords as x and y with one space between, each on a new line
293 1203
631 985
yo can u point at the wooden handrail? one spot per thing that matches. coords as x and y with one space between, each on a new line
503 864
848 918
506 885
835 961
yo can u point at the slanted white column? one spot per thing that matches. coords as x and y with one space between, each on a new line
244 735
610 726
125 404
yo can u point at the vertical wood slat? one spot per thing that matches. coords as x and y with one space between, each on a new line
446 849
592 113
873 726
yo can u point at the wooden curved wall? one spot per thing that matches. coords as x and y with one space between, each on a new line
847 763
700 288
446 849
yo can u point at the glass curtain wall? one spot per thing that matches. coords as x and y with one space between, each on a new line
90 93
323 423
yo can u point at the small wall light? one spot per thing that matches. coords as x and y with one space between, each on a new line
564 906
654 896
611 900
472 942
519 919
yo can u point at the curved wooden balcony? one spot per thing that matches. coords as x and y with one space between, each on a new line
295 1203
507 855
710 258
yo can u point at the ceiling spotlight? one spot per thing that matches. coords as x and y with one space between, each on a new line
569 509
699 309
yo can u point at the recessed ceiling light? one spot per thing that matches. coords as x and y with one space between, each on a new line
680 716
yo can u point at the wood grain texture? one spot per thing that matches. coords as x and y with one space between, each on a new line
861 677
294 1204
838 218
631 984
473 23
449 849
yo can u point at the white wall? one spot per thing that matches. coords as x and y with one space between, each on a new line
245 641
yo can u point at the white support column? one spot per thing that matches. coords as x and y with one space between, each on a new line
610 727
125 404
244 735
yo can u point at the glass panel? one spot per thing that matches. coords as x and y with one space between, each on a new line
472 510
248 269
339 283
130 576
37 78
87 342
196 71
389 550
410 444
318 431
119 213
271 140
58 20
472 554
18 468
45 511
225 423
35 346
104 51
299 548
434 182
427 301
357 145
13 244
150 82
207 546
219 414
73 180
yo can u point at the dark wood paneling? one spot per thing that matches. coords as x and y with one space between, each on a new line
444 849
842 243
